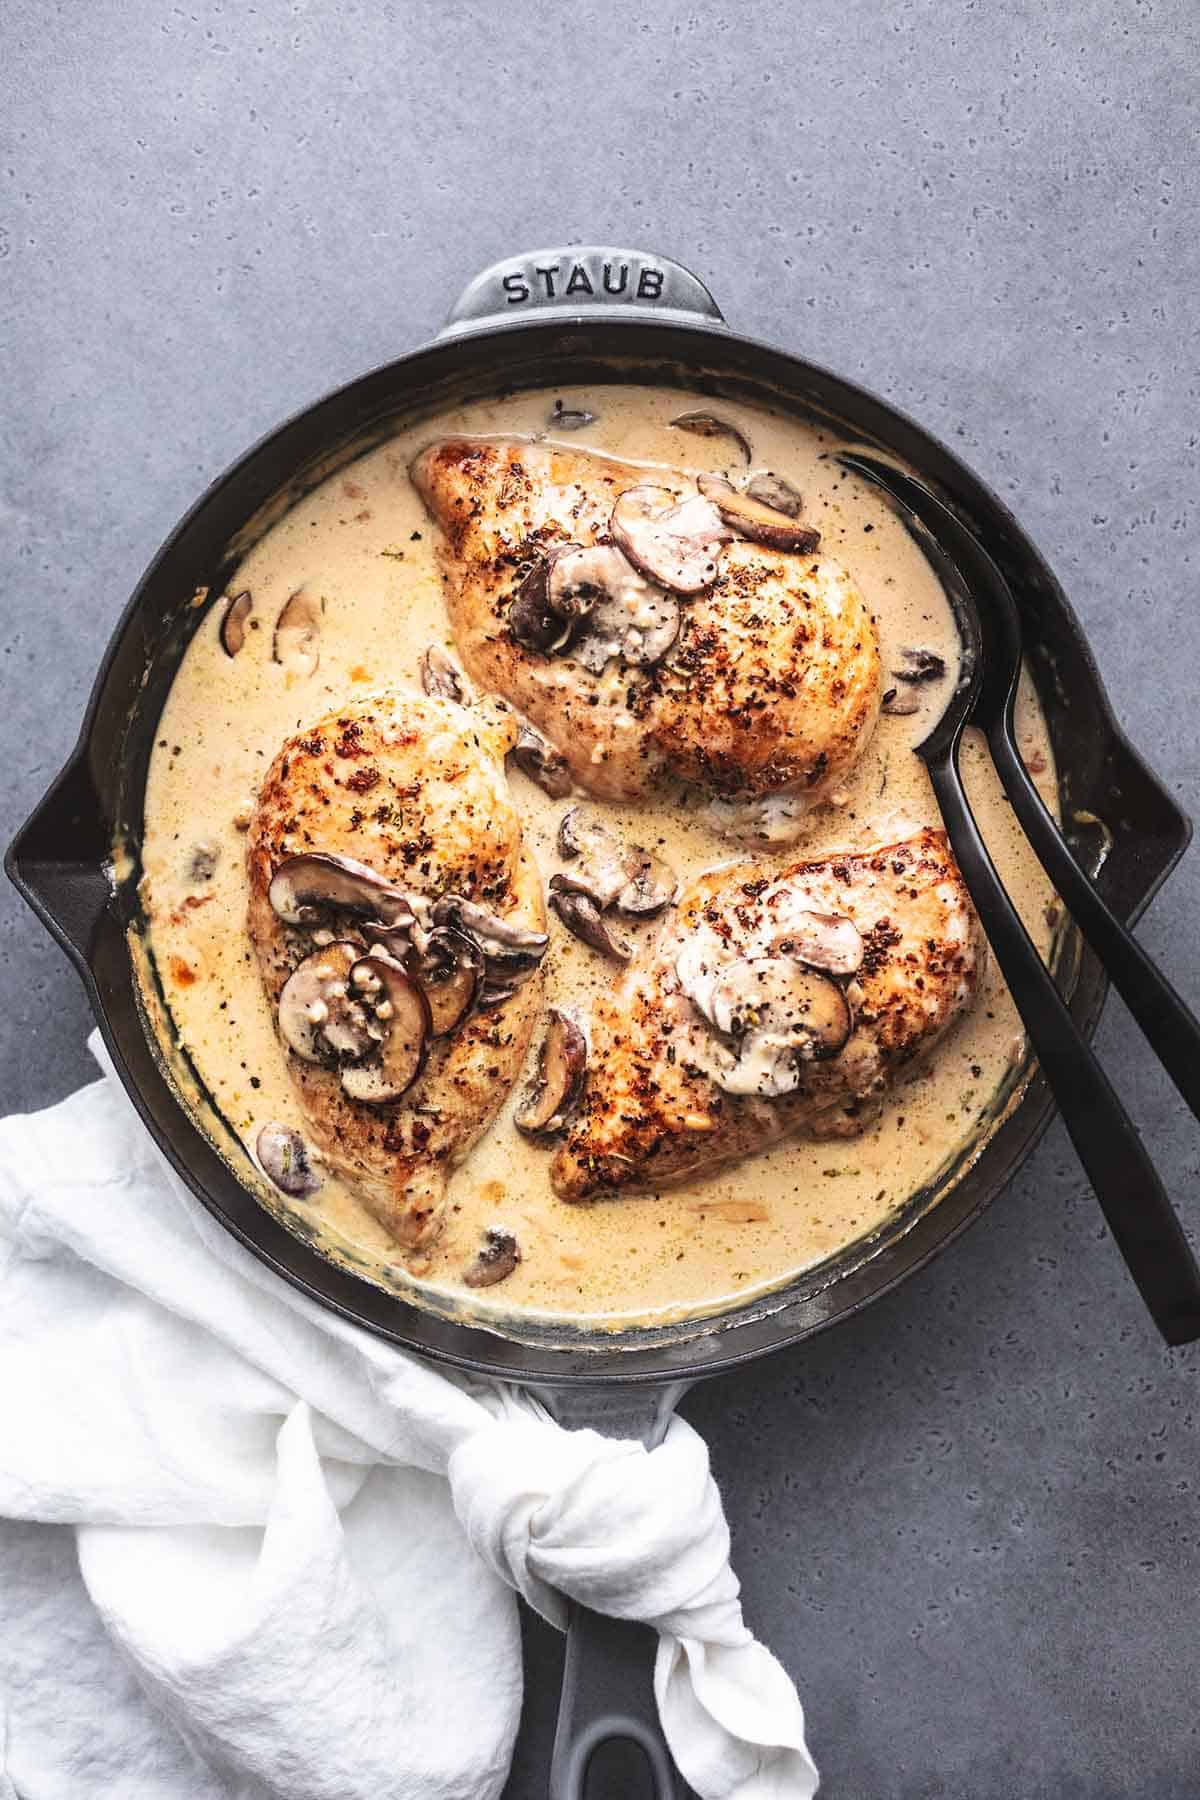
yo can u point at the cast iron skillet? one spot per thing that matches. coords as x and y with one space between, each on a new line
564 317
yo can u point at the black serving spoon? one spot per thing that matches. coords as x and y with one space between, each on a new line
1131 1195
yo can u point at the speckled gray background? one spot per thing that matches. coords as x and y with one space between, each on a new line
967 1521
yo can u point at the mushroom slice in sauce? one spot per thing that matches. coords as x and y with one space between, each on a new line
233 622
706 424
203 861
651 886
583 919
751 519
569 418
510 951
494 992
561 589
531 620
498 1256
400 1007
775 1013
297 642
284 1158
319 1018
612 872
536 757
302 886
561 1072
448 968
900 703
920 665
827 941
675 544
441 677
579 578
789 1007
636 621
777 492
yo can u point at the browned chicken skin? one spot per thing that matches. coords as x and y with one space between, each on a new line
655 1110
764 701
415 789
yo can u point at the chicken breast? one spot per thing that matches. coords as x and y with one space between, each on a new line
725 1038
766 686
413 792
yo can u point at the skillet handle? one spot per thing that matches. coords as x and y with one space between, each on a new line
587 281
608 1700
607 1716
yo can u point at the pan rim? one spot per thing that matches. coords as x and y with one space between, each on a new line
711 1342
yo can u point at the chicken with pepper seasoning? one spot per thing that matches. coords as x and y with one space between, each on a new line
678 628
774 1003
399 928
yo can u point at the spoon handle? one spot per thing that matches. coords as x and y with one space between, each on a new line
1168 1024
1126 1184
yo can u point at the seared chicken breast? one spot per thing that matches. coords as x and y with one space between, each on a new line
399 926
626 617
773 1003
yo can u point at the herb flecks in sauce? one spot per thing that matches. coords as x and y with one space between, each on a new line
681 1250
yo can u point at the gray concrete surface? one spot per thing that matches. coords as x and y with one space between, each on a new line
967 1521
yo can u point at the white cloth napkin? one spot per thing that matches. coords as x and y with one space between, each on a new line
297 1544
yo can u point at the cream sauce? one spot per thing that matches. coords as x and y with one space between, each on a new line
363 541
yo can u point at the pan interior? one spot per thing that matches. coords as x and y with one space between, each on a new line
824 1291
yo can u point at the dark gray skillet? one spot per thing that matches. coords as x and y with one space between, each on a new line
569 317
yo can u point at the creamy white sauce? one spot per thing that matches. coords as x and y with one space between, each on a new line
364 543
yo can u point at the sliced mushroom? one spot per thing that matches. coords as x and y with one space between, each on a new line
561 1072
777 994
751 519
531 620
538 759
611 872
652 885
233 622
303 886
773 1015
498 940
706 424
635 620
494 992
899 703
777 492
675 544
580 835
400 1007
569 418
920 665
827 941
779 1014
441 677
578 579
203 861
449 969
320 1019
284 1158
297 643
498 1257
583 919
